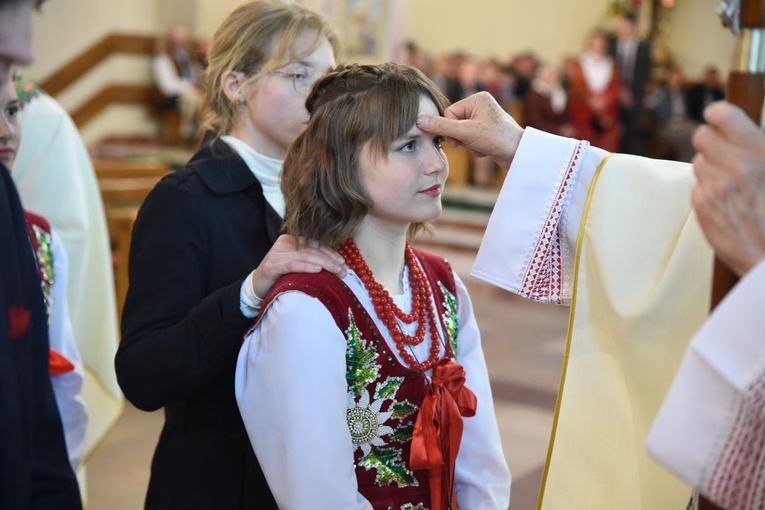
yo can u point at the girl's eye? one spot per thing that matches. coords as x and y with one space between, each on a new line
11 111
300 74
409 146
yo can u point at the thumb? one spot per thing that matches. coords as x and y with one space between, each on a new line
440 126
731 122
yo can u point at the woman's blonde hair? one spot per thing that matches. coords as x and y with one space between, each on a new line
256 38
352 105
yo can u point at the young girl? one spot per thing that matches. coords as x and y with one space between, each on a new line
359 392
206 244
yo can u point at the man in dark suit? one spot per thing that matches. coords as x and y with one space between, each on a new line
633 59
701 95
34 466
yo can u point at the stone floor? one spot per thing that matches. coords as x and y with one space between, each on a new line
523 343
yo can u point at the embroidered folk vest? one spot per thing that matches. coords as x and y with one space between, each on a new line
42 245
384 396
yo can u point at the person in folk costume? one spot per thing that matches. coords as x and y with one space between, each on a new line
71 202
65 364
593 94
370 391
206 246
615 237
34 467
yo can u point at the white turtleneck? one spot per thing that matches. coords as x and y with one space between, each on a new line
266 170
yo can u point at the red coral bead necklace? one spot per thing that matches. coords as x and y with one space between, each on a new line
422 309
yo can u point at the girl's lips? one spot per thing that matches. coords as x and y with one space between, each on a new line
6 154
432 191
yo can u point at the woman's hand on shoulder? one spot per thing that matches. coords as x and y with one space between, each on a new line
294 255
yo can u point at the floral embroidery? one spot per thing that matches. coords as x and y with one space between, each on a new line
366 421
360 361
389 466
368 416
44 255
450 321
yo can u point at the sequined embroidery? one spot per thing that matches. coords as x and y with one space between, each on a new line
370 417
450 321
361 367
410 506
25 89
44 255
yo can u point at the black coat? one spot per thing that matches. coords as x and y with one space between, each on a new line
34 465
199 233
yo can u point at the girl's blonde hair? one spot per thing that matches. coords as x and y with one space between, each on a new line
255 39
352 105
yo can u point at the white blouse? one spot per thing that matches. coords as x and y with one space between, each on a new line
292 393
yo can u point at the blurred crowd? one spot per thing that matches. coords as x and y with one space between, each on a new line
612 93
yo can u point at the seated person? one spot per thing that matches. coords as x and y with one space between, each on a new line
547 103
370 391
703 94
176 74
673 122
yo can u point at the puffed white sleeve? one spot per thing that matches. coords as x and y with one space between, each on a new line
292 393
67 387
528 247
482 477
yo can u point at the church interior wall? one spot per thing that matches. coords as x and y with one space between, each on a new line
488 28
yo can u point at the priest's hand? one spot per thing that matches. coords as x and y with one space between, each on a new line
291 255
480 124
729 195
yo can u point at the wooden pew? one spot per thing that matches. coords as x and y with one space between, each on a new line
124 185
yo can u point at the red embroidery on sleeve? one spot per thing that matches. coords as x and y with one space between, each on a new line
544 277
737 481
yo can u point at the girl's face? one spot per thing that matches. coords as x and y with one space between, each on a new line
10 131
273 113
407 187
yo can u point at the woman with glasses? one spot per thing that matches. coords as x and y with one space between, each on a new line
206 248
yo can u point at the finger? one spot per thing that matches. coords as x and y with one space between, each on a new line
439 126
731 122
286 241
464 108
317 257
332 254
701 168
711 144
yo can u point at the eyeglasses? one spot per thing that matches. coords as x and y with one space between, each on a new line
302 79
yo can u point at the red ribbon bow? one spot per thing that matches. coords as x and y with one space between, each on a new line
438 430
58 363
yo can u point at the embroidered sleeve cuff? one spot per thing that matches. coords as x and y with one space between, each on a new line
522 250
249 302
710 427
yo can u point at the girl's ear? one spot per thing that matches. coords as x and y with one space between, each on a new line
231 83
